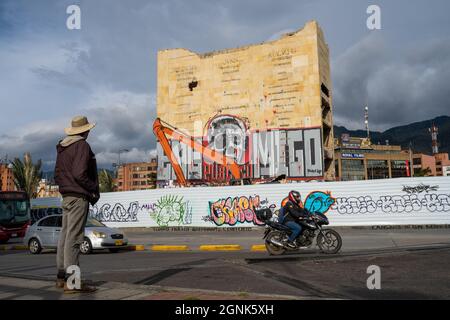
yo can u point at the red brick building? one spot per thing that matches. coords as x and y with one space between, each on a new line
6 178
136 176
437 163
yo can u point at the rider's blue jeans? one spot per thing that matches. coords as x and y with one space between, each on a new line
296 229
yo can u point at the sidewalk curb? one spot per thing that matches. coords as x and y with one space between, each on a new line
6 247
258 247
238 294
169 248
45 288
162 248
220 247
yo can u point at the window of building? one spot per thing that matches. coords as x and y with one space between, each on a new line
377 169
336 168
352 170
399 168
417 161
325 90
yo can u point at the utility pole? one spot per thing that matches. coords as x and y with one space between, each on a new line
411 164
118 164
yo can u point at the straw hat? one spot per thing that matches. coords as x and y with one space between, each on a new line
80 124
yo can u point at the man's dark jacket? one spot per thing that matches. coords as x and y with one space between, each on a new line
292 212
76 169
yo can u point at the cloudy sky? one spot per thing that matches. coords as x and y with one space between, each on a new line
107 70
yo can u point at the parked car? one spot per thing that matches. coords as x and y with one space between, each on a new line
44 234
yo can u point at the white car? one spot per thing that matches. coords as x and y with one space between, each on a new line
44 234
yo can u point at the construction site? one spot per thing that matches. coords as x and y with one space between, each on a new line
252 113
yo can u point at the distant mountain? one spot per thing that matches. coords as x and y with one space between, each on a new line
415 133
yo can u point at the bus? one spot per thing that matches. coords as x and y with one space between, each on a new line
14 215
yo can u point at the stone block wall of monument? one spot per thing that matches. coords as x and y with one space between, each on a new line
268 106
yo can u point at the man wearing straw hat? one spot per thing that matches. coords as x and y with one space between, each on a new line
76 176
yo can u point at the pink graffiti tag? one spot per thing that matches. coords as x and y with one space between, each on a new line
235 210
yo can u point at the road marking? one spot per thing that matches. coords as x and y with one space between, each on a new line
135 247
7 247
220 247
169 248
19 247
258 247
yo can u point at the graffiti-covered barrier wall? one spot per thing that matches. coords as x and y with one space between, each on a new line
352 203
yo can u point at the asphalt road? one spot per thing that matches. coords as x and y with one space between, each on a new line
414 265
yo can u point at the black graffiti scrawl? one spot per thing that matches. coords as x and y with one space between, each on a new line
419 188
115 213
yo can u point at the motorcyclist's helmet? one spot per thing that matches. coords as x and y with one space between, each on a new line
295 197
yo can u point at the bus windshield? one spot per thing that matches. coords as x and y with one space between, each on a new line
14 211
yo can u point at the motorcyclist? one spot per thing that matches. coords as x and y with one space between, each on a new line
292 211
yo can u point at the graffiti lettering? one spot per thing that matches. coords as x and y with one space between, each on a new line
420 188
118 213
392 204
231 211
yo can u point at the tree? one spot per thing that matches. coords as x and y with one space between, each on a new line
27 175
106 181
422 172
152 179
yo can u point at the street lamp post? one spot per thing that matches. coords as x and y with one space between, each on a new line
118 164
120 151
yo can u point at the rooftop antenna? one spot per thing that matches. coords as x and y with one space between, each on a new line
366 120
434 142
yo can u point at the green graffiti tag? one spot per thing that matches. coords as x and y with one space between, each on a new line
171 210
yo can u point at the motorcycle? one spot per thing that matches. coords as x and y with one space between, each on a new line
276 234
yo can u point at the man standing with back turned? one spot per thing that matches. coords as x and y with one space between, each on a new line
76 176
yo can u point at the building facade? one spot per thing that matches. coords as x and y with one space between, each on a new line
446 171
441 162
136 176
424 162
267 106
436 163
46 189
6 178
358 159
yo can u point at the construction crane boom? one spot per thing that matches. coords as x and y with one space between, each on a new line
164 133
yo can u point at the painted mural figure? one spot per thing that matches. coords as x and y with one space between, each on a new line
171 210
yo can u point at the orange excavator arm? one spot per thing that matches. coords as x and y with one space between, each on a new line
162 132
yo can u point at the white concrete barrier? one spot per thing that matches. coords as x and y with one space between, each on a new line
402 201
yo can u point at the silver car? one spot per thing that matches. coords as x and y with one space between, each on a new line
44 234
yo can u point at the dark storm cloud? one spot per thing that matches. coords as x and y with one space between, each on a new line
107 70
400 86
123 121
